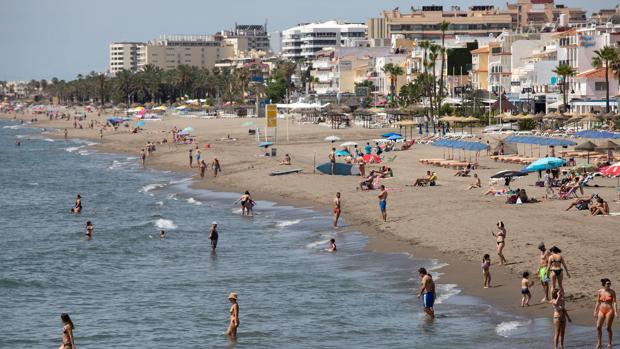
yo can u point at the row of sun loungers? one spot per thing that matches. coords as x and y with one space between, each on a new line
445 163
514 159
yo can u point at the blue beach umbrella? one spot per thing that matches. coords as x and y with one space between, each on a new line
388 135
395 137
140 124
342 153
265 144
188 129
544 164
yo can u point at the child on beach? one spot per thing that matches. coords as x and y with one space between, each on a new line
486 271
526 295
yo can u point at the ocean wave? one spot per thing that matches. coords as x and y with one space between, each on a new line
317 243
165 224
445 291
506 328
73 149
159 203
147 188
13 127
284 224
181 180
83 152
117 164
33 183
48 140
20 136
194 201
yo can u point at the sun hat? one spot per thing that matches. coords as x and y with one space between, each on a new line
214 223
232 295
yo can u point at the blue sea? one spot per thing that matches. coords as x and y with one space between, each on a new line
127 288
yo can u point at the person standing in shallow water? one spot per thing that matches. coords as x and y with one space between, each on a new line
213 236
89 230
605 311
67 332
234 316
427 292
77 208
336 209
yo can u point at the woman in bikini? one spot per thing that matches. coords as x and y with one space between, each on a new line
605 311
246 204
234 316
500 239
67 332
560 315
77 208
555 263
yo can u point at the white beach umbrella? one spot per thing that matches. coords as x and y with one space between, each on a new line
348 144
332 138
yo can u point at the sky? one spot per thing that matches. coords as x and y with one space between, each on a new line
41 39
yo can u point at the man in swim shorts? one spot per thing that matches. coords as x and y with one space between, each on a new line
383 202
427 292
336 209
542 270
213 236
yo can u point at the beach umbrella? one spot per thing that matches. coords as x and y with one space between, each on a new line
332 139
388 135
586 146
609 145
509 174
371 158
188 129
140 124
395 137
342 152
248 123
584 167
348 144
612 171
544 164
265 144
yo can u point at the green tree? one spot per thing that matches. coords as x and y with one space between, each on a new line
564 71
124 85
443 26
604 58
394 71
276 88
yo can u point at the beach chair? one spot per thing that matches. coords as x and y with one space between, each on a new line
567 194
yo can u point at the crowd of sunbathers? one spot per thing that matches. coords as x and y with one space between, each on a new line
594 203
371 181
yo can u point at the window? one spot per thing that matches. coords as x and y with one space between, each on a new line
600 86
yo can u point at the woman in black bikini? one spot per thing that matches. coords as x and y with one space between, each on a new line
67 332
77 208
500 239
554 268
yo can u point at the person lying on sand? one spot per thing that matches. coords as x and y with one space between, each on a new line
286 160
476 183
496 192
464 172
583 203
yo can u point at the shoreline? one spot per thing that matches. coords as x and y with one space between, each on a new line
460 270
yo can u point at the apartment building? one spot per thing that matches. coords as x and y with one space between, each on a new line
480 68
423 24
306 40
124 55
170 51
537 13
253 37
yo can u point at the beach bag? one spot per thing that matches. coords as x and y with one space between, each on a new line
582 205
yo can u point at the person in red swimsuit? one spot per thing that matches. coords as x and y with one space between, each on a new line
605 310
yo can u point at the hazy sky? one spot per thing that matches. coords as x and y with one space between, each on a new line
45 38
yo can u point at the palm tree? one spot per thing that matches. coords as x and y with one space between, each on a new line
443 26
432 63
101 86
124 84
603 58
393 70
565 71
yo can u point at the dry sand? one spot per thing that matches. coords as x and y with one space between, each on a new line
445 222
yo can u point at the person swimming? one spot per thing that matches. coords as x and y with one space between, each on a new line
89 229
77 208
332 246
67 332
162 234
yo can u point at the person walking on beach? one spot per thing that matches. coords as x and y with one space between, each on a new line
213 236
67 332
500 239
542 270
215 166
427 292
77 208
332 161
560 315
526 295
89 230
66 134
191 158
368 148
548 182
486 271
605 311
554 268
234 316
337 210
202 166
143 157
197 154
383 194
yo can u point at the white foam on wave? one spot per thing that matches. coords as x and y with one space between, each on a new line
117 164
13 127
73 149
284 224
445 291
33 183
317 243
181 180
48 140
506 328
159 203
165 224
83 152
194 201
20 136
147 188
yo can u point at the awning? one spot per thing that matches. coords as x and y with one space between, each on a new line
539 141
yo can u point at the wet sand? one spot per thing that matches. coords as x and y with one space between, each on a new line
445 222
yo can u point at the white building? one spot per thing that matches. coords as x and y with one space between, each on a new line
306 40
125 55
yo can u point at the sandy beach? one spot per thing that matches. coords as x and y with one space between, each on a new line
446 222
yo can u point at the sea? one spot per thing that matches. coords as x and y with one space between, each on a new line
127 288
